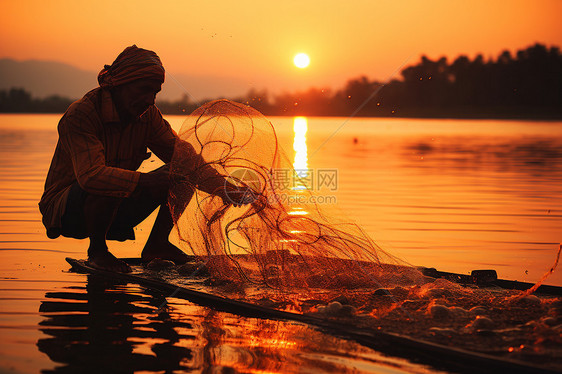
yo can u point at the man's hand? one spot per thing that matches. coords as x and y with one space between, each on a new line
157 180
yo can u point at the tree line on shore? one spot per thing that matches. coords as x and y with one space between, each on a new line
525 85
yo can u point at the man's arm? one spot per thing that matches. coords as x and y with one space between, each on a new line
201 174
79 138
165 143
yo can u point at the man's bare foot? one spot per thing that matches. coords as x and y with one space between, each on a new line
166 251
107 261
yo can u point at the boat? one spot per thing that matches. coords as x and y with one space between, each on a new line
439 356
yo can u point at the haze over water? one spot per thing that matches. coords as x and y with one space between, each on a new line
456 195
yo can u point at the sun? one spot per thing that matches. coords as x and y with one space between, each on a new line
301 60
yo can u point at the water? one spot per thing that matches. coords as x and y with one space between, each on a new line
451 194
455 195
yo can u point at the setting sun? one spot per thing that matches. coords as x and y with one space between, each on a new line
301 60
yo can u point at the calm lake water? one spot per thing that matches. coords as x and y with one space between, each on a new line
451 194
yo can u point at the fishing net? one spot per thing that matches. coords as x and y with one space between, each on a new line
283 239
285 251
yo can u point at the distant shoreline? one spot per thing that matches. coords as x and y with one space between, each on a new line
545 117
527 85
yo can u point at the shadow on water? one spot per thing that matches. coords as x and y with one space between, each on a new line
96 331
109 326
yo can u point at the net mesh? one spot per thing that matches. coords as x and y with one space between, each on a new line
285 251
283 239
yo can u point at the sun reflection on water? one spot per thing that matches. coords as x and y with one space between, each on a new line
300 164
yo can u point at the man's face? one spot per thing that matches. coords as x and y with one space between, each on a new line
133 99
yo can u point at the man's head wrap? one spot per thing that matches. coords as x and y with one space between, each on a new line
131 64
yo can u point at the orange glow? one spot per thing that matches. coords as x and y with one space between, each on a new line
298 213
270 342
300 127
252 40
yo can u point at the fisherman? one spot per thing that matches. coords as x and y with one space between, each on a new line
93 189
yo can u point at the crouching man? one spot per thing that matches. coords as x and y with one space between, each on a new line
93 189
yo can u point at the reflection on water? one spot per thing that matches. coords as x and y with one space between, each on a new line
300 164
536 156
114 327
300 127
456 195
106 328
473 194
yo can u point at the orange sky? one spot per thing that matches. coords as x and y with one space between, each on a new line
256 41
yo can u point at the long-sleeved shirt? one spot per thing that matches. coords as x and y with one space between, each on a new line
101 153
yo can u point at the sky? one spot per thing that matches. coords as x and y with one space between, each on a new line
254 42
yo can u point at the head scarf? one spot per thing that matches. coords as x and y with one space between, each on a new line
131 64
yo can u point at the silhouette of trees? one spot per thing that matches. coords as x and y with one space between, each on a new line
525 85
257 99
312 102
528 84
17 100
181 106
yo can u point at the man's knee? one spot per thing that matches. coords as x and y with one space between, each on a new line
85 210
